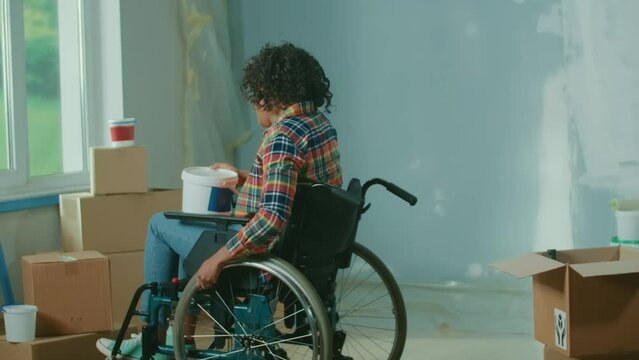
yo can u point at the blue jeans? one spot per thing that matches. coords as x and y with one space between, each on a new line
167 244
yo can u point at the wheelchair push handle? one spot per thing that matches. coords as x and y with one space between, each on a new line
401 193
396 190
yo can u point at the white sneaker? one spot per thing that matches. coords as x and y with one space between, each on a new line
129 349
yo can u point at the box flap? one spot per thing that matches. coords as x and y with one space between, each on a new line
527 265
53 257
603 268
588 255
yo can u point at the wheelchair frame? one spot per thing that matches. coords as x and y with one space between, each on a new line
320 314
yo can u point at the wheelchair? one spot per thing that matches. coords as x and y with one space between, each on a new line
318 294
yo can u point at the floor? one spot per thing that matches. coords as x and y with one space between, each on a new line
454 321
470 322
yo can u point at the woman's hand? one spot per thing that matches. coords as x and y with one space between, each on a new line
209 272
241 174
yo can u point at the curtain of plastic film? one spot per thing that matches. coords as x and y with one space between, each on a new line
213 123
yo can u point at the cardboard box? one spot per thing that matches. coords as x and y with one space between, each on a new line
111 223
585 302
549 354
118 170
55 348
127 274
71 290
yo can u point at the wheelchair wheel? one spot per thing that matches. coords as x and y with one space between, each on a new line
259 309
370 309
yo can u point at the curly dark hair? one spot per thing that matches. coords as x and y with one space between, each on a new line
282 75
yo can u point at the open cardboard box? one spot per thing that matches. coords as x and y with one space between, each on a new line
585 301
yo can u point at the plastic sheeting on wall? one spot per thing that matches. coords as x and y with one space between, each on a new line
212 115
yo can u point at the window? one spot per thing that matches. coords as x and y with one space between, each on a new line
43 87
42 129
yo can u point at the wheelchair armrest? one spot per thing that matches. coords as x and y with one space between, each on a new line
224 220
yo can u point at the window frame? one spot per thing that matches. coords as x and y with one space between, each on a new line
13 66
16 182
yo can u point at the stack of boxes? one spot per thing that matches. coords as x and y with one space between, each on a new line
113 218
83 293
73 295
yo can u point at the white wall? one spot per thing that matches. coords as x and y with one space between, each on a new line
152 65
481 108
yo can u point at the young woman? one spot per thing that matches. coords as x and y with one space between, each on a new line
287 86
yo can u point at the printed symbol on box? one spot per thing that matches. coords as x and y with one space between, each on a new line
561 328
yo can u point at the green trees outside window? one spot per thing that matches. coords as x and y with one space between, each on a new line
43 90
43 86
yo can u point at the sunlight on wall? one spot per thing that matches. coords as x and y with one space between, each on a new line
603 82
554 224
590 112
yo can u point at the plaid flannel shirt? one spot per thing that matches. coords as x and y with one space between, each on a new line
300 145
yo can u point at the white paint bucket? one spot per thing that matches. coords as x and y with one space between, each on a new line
627 225
20 322
208 191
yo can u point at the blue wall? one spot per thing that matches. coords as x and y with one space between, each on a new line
461 102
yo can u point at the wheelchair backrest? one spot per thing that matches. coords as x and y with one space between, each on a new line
323 224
